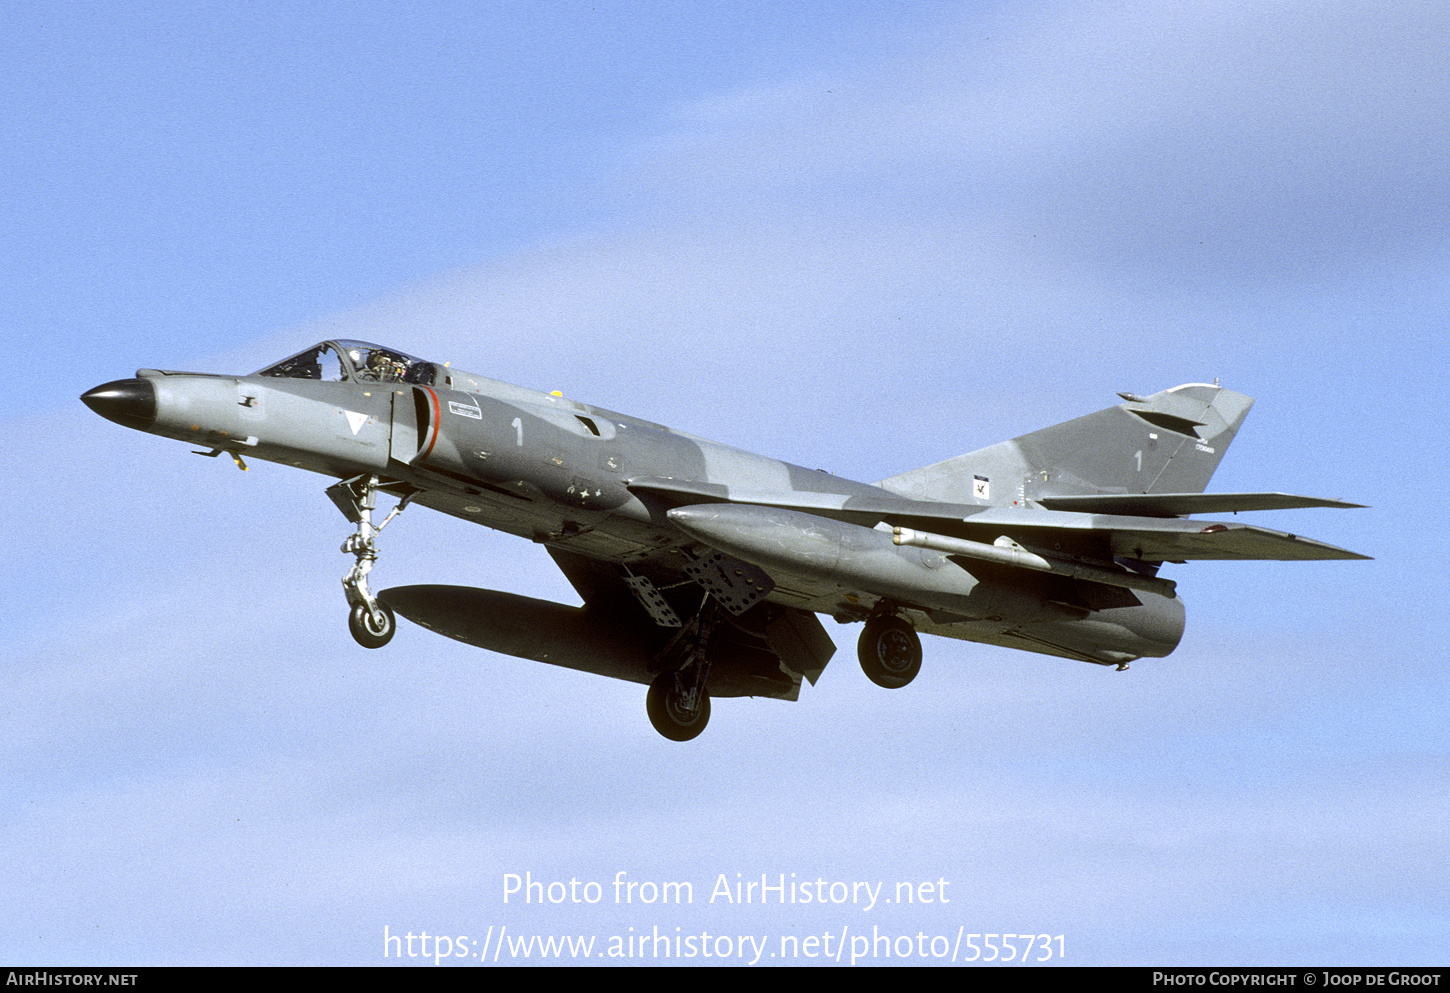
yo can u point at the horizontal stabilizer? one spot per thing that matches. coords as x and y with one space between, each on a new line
1178 504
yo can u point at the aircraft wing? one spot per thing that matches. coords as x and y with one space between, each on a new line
1140 526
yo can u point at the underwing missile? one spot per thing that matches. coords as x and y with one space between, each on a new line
1005 551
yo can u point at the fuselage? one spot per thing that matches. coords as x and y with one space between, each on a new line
600 485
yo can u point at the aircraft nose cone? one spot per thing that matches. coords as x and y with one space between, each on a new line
129 402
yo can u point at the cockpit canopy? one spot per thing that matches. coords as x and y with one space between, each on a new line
354 361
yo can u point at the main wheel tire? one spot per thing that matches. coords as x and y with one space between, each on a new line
668 717
365 630
890 652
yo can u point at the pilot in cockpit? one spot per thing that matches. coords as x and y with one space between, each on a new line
332 360
386 367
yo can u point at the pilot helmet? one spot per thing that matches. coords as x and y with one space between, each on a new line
383 365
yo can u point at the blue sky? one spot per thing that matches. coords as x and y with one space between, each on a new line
860 237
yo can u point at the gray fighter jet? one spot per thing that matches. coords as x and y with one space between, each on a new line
702 567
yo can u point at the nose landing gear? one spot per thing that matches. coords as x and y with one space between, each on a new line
371 621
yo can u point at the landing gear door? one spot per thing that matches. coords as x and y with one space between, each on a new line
407 430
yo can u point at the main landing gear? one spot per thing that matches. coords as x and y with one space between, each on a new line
890 651
678 706
678 703
371 621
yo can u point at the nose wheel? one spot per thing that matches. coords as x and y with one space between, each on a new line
372 628
371 621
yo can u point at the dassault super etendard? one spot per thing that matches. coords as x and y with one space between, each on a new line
702 567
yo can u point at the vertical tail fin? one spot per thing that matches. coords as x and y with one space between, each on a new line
1170 442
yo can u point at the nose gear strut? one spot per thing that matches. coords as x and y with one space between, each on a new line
371 621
